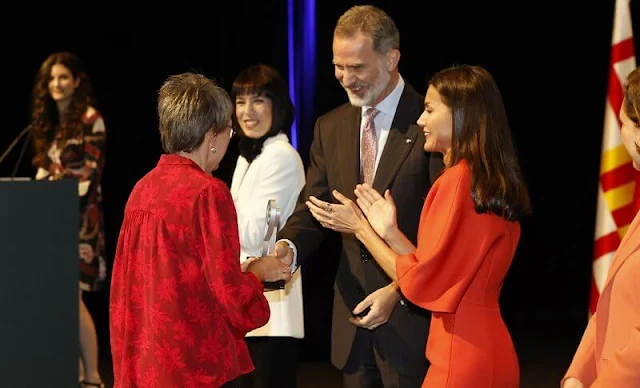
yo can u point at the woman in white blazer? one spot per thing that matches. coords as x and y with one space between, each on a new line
268 168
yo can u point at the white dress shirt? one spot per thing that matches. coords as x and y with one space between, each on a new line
277 173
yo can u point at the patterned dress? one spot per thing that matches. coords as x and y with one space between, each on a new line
82 158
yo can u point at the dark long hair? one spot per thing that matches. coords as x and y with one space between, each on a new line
482 137
47 125
263 80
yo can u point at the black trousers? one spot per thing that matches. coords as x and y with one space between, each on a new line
275 360
367 368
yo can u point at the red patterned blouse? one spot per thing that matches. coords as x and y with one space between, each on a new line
180 305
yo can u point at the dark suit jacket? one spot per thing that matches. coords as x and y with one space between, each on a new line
404 168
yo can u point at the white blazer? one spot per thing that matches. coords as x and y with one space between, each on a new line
277 173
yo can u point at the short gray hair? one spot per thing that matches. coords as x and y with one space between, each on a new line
370 21
189 106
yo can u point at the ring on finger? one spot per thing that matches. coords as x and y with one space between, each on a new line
328 208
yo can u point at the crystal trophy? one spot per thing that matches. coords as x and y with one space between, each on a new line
269 242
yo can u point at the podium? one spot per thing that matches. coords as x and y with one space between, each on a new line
39 342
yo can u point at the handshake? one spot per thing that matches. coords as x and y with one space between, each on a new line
273 267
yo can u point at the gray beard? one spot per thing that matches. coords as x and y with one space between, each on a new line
373 93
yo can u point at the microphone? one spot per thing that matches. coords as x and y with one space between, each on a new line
25 131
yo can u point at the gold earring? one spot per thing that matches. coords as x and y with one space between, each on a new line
213 150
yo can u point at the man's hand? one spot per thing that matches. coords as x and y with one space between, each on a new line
284 252
380 303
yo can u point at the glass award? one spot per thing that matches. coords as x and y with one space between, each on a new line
269 242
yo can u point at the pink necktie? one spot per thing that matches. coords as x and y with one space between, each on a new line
369 148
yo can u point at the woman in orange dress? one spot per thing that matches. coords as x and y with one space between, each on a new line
468 232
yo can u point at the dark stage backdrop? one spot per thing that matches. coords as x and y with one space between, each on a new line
550 63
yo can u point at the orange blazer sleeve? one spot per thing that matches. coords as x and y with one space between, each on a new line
240 295
452 243
623 370
583 366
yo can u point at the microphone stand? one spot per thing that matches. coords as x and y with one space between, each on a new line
24 148
25 131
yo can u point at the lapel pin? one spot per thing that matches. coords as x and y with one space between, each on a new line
407 141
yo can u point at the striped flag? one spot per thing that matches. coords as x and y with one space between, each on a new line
618 197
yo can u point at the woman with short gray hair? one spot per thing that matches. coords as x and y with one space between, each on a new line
180 301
